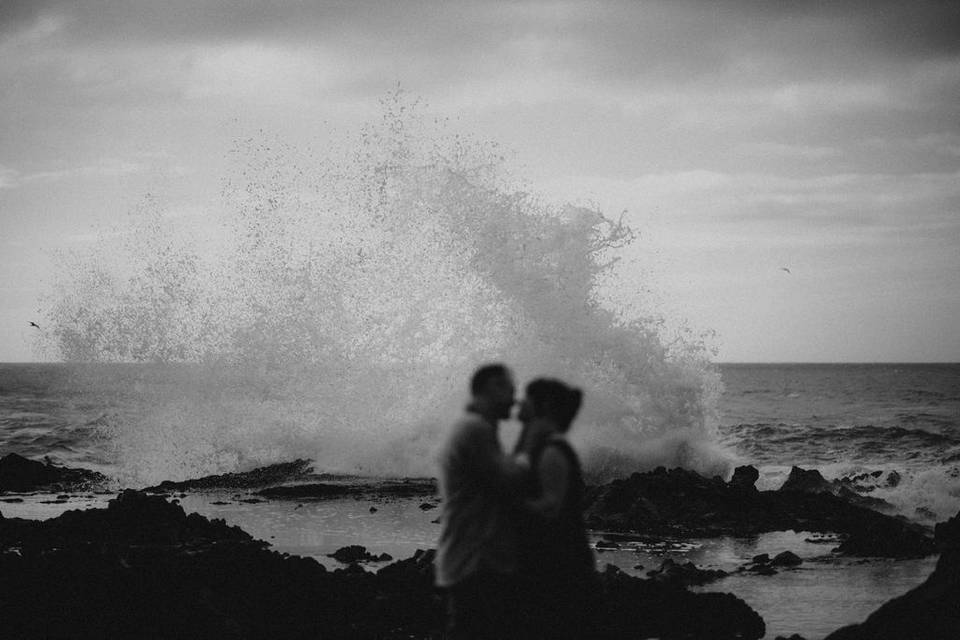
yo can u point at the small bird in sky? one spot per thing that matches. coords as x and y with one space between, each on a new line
34 324
784 269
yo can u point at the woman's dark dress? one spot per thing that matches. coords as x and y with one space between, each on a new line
561 589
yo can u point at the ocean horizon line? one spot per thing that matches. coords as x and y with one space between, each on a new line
719 362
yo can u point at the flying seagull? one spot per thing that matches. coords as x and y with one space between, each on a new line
784 269
34 324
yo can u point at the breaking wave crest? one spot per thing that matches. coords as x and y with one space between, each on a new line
338 305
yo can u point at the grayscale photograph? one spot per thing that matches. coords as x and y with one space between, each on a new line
480 319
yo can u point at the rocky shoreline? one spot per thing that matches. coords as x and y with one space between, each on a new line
680 503
143 567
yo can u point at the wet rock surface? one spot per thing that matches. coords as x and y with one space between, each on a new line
685 574
680 503
745 477
930 611
764 565
142 567
356 553
296 480
362 489
21 474
257 478
812 481
635 608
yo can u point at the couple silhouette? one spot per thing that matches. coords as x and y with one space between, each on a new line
513 558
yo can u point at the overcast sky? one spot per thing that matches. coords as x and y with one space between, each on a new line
741 137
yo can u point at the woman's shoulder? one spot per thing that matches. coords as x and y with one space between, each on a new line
560 445
558 440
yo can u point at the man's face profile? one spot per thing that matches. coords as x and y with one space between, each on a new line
502 394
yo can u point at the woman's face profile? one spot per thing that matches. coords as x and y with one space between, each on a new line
525 413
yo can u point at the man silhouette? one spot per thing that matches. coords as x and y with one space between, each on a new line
477 551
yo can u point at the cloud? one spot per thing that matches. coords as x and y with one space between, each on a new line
766 149
258 73
8 177
944 144
108 167
718 209
672 41
729 64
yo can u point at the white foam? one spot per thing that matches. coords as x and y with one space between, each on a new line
347 301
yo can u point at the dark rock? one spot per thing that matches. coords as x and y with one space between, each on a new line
745 477
683 504
686 574
405 488
354 553
862 482
947 535
260 477
132 518
605 545
929 611
761 565
373 509
884 538
143 568
426 506
635 608
893 480
812 481
352 568
20 474
807 481
786 559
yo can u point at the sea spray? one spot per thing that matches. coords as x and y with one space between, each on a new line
338 307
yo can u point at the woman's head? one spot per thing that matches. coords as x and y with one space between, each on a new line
553 399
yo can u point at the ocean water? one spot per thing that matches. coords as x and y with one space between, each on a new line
897 423
893 427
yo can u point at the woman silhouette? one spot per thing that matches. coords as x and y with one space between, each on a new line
560 587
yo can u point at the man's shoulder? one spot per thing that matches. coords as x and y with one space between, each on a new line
470 425
471 420
471 430
468 436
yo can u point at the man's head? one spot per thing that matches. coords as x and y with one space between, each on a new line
493 390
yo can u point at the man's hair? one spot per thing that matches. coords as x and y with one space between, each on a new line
485 374
556 399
